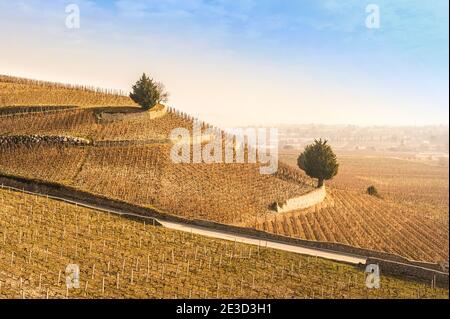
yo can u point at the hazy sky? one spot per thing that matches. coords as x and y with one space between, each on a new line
243 62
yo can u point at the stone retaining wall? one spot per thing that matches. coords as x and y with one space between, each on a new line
120 116
10 111
36 139
429 276
310 199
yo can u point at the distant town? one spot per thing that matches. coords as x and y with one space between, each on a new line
430 142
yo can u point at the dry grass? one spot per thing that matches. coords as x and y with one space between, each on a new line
120 258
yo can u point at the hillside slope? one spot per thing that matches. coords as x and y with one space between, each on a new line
145 175
364 221
121 258
16 91
129 160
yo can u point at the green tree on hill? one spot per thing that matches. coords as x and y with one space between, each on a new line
147 93
319 161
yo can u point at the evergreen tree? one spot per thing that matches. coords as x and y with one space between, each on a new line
147 93
319 161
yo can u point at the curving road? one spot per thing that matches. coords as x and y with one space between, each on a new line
336 256
218 234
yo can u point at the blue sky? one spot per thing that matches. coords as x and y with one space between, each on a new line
236 62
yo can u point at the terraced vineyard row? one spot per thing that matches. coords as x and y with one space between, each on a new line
16 91
142 128
145 175
120 258
76 122
237 190
44 162
364 221
88 123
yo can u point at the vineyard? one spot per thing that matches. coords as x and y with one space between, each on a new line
365 221
23 92
129 160
411 218
145 175
396 178
87 122
234 194
121 258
